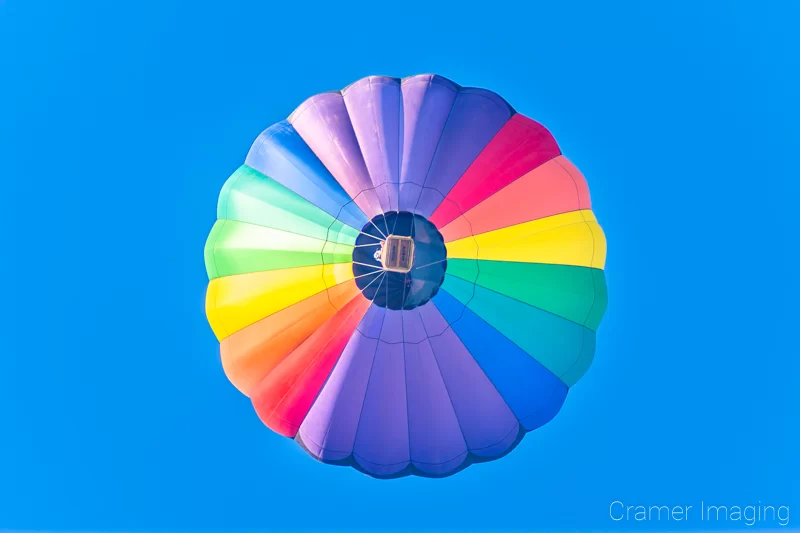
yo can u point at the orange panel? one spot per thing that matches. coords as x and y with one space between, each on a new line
251 353
283 399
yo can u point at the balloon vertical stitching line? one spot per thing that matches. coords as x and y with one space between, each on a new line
378 135
400 140
405 380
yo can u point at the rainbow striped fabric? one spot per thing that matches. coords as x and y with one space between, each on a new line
475 333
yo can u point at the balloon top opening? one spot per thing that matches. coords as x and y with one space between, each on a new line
399 260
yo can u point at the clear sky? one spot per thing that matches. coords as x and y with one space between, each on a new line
120 121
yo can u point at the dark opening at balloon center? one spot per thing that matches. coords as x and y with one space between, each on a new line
399 260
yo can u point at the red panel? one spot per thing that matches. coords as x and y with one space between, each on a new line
283 399
520 146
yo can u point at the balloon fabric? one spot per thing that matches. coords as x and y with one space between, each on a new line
406 276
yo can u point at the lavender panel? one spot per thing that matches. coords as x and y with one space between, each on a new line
329 430
324 124
437 445
381 446
426 105
375 107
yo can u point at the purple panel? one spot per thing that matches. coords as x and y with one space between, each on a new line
324 124
477 115
329 429
426 105
375 107
437 445
381 446
435 323
392 327
409 195
413 330
488 425
372 323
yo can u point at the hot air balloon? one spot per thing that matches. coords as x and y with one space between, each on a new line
406 276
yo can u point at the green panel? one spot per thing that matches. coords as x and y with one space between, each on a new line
208 251
341 233
334 252
466 269
562 346
235 247
600 299
576 293
249 196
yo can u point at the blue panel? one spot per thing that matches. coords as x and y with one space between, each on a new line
280 153
532 392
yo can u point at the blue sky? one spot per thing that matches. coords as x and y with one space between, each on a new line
120 121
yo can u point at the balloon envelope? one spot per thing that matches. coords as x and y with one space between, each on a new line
406 276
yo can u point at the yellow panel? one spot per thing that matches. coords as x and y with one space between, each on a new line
573 238
336 248
235 302
337 273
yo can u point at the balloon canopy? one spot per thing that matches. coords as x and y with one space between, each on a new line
406 276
